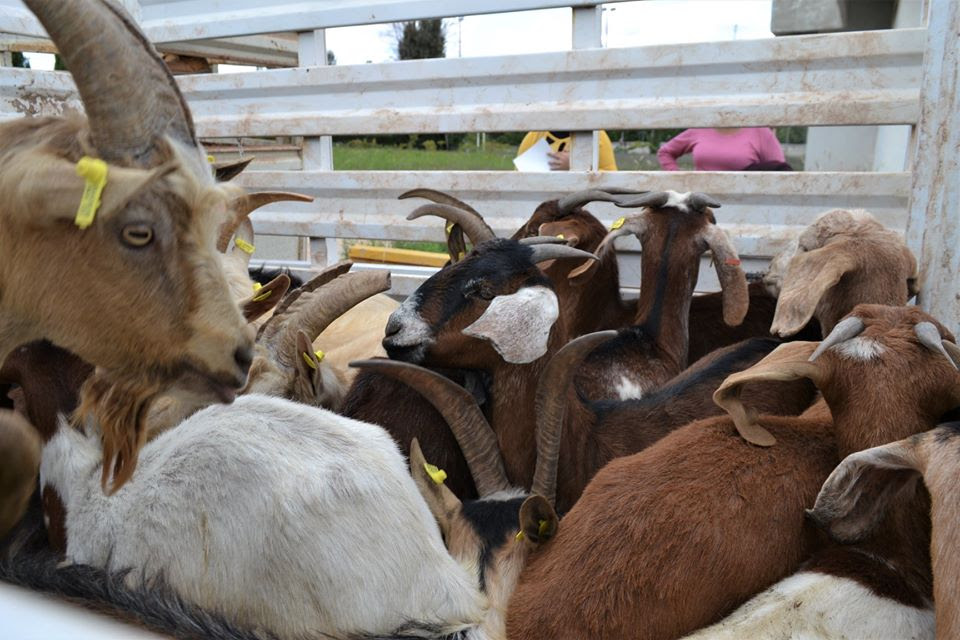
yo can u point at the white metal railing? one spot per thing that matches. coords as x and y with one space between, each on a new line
863 78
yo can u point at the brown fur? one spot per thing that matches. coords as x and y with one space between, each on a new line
20 451
164 310
673 538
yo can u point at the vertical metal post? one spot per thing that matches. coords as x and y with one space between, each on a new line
587 31
317 151
933 227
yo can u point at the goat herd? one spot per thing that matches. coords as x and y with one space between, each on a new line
580 465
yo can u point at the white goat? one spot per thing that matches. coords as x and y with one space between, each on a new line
280 516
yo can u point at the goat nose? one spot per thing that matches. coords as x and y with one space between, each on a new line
394 324
243 356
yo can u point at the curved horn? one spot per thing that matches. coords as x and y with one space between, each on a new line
472 225
551 404
458 407
129 95
544 252
653 199
532 240
700 201
327 275
580 198
844 330
227 171
244 205
313 311
929 336
440 198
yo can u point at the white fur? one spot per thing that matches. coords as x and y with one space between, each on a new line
628 389
413 330
860 348
518 325
276 514
678 200
816 606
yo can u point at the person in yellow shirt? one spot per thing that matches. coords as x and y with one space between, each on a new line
559 142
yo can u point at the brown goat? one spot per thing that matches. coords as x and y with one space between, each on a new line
843 259
854 499
669 540
164 312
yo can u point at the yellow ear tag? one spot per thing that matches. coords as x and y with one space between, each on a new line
243 245
309 360
94 171
560 235
319 355
211 159
520 536
449 228
461 255
437 475
263 296
617 224
542 528
257 286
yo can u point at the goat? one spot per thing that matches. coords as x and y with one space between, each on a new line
853 500
20 453
674 230
629 557
152 232
843 259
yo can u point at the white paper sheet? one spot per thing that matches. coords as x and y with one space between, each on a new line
535 158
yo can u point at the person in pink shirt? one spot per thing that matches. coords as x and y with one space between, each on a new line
733 149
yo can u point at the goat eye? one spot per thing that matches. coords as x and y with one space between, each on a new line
137 235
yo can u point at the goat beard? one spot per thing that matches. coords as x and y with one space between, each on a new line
119 405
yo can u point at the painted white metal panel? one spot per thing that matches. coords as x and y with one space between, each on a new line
934 227
763 211
165 20
16 18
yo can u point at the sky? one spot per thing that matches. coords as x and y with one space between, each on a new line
625 24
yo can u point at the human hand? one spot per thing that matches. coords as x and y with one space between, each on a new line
559 160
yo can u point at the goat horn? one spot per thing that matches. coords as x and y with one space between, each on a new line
846 329
440 198
243 206
472 224
953 351
326 275
580 198
700 201
929 336
653 199
532 240
544 252
551 404
313 311
129 95
227 171
458 407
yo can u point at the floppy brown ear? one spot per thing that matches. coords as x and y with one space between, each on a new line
733 282
789 361
810 275
855 497
265 298
456 243
442 502
538 520
43 188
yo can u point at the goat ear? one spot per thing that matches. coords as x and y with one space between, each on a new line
61 189
733 282
456 244
307 362
855 497
265 298
443 504
518 325
810 275
789 361
538 520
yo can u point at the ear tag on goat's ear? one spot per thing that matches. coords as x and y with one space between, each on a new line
309 360
560 235
461 256
437 475
617 224
94 171
319 355
263 296
211 159
449 228
243 245
542 528
520 536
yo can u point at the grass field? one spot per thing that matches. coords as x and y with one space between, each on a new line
394 158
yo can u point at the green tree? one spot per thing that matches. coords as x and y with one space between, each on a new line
421 39
20 60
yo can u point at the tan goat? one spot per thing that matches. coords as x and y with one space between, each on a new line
130 279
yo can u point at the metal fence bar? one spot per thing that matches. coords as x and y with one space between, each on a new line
934 220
